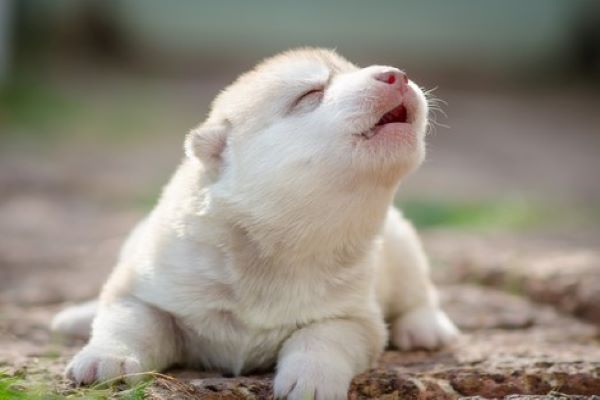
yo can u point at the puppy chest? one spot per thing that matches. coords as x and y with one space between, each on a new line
223 342
295 299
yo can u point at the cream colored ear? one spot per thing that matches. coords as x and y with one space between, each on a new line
206 144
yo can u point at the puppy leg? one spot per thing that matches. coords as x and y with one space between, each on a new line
409 298
128 337
76 320
319 360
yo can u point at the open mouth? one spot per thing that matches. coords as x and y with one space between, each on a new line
397 115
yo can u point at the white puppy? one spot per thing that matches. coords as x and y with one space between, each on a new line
275 242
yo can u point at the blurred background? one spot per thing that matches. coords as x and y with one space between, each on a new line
97 95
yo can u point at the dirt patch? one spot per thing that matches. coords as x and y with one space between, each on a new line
565 276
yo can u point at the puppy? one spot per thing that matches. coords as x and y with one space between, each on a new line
275 242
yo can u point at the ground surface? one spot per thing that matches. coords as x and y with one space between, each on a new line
526 296
510 344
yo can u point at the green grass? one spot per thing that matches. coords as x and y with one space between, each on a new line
508 215
18 386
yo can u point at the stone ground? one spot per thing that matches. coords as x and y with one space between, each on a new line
511 345
528 304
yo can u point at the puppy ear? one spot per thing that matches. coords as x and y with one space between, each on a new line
207 142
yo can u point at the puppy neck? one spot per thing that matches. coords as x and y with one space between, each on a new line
336 228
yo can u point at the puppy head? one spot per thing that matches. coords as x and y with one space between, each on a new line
309 121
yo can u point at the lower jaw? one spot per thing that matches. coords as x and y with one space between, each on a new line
387 175
401 132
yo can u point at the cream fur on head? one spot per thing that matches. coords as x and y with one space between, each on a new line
275 243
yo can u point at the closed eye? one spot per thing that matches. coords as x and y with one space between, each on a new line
310 98
310 92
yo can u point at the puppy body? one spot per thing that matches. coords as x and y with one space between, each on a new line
275 242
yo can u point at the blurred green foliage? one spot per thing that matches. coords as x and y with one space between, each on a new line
33 107
46 110
506 214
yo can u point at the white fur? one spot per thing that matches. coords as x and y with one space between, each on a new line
76 320
275 242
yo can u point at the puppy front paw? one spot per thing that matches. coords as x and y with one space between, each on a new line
312 377
425 327
98 365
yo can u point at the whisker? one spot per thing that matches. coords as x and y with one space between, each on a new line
435 105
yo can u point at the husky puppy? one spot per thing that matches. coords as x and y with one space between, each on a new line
275 243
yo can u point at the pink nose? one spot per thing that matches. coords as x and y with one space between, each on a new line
392 76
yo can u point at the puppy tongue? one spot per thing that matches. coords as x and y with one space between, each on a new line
398 114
